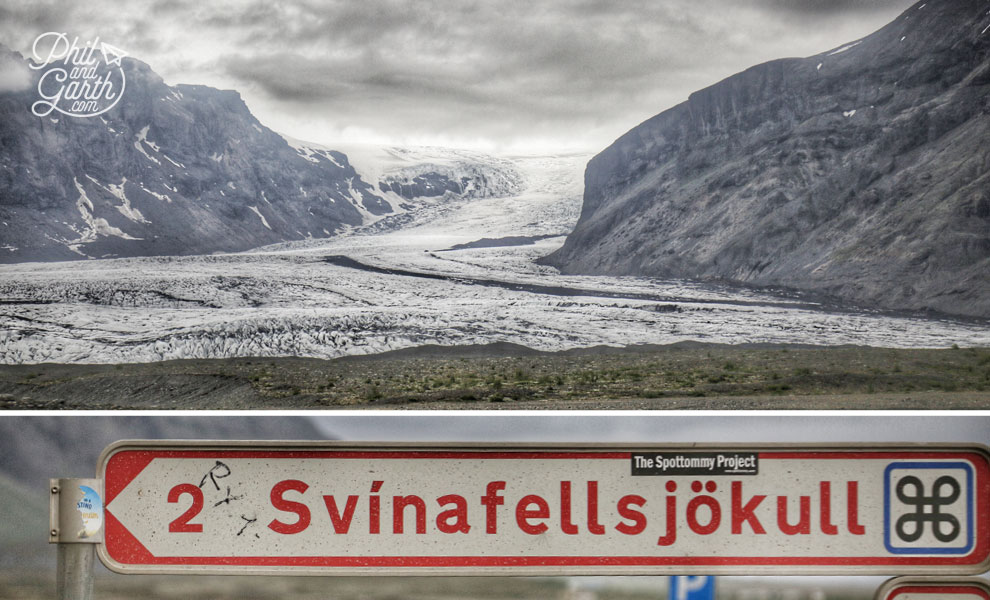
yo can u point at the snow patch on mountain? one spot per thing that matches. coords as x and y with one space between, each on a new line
163 197
125 208
310 151
264 221
176 163
94 226
845 48
142 138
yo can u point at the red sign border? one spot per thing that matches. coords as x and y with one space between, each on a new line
939 589
138 454
933 585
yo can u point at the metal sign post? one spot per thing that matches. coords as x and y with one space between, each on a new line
76 525
418 509
934 588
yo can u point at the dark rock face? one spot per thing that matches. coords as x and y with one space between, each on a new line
168 170
464 179
863 172
429 185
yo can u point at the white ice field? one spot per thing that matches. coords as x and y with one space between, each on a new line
397 284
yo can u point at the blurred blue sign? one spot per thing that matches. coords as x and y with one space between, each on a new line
692 587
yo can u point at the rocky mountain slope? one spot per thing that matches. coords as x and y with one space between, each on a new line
169 170
861 172
179 170
410 179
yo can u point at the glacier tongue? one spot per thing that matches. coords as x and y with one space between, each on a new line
403 285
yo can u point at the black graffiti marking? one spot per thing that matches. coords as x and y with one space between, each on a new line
922 503
228 499
248 522
214 474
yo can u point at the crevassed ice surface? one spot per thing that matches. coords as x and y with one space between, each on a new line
400 286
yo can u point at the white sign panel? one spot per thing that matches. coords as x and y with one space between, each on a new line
380 509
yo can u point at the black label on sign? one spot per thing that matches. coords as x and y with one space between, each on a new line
695 463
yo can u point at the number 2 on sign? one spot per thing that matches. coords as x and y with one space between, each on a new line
182 524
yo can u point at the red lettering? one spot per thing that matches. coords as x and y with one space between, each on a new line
852 509
182 524
714 519
280 503
593 526
524 514
399 504
745 513
804 520
825 496
459 513
638 518
341 523
491 501
565 509
375 509
671 505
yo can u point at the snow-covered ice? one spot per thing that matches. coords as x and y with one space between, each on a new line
142 138
264 221
398 283
95 226
163 197
845 48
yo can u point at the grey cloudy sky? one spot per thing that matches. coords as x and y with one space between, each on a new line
506 75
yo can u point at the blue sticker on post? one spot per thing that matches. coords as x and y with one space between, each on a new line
90 509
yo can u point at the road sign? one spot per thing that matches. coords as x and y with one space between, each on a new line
934 588
692 587
319 508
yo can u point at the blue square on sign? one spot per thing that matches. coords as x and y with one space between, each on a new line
930 503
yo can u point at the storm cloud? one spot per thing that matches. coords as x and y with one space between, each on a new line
510 75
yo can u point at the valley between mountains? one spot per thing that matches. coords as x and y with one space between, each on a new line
808 228
444 306
402 284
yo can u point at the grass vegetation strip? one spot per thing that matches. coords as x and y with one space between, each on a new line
511 376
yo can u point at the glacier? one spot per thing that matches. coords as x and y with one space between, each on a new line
449 269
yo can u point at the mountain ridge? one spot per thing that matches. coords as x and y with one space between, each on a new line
855 172
169 170
187 169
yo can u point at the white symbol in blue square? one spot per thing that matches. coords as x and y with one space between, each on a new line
928 508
